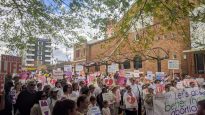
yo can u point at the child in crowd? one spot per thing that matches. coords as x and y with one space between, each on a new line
93 109
106 109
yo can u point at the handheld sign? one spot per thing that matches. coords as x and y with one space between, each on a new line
44 107
107 97
130 101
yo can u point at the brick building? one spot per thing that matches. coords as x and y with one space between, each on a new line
131 53
98 54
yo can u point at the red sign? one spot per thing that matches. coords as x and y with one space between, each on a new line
160 88
10 64
1 84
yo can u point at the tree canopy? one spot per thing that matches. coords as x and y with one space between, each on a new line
68 22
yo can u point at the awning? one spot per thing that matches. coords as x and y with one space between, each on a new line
194 50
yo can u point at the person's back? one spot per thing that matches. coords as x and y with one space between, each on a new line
25 101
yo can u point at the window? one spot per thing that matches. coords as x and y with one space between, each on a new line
97 68
199 63
174 55
39 53
77 53
39 58
126 64
137 62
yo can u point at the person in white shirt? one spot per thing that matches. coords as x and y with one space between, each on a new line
53 98
106 109
93 109
130 101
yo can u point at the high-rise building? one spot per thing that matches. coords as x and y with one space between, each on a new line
38 53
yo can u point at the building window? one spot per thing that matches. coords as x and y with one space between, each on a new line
199 63
97 68
137 62
77 54
174 55
126 64
39 58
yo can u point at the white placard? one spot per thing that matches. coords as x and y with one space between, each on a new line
113 68
78 68
58 74
173 64
68 68
107 97
44 107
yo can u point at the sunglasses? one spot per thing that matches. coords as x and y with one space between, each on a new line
44 96
32 84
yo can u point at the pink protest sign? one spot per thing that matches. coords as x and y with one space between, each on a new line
121 81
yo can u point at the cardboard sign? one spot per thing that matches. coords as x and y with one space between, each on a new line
136 73
200 81
79 68
128 74
1 84
113 68
121 81
107 97
182 102
44 107
150 75
186 82
160 75
58 74
68 68
108 82
173 64
160 88
180 85
10 64
130 101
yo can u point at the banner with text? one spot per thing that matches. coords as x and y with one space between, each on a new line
183 102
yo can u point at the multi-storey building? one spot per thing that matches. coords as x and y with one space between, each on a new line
38 53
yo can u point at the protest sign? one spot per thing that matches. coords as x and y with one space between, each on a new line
113 68
180 85
200 81
109 81
160 88
128 74
160 75
186 82
130 101
136 73
68 68
10 64
58 74
91 78
121 81
1 84
79 68
107 97
150 75
44 107
182 102
173 64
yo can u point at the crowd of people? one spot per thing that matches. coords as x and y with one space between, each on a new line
79 98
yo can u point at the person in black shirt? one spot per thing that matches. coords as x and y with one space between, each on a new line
26 98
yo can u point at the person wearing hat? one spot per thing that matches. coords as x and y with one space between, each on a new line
149 101
26 98
53 98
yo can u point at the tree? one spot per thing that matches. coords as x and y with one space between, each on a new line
64 21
